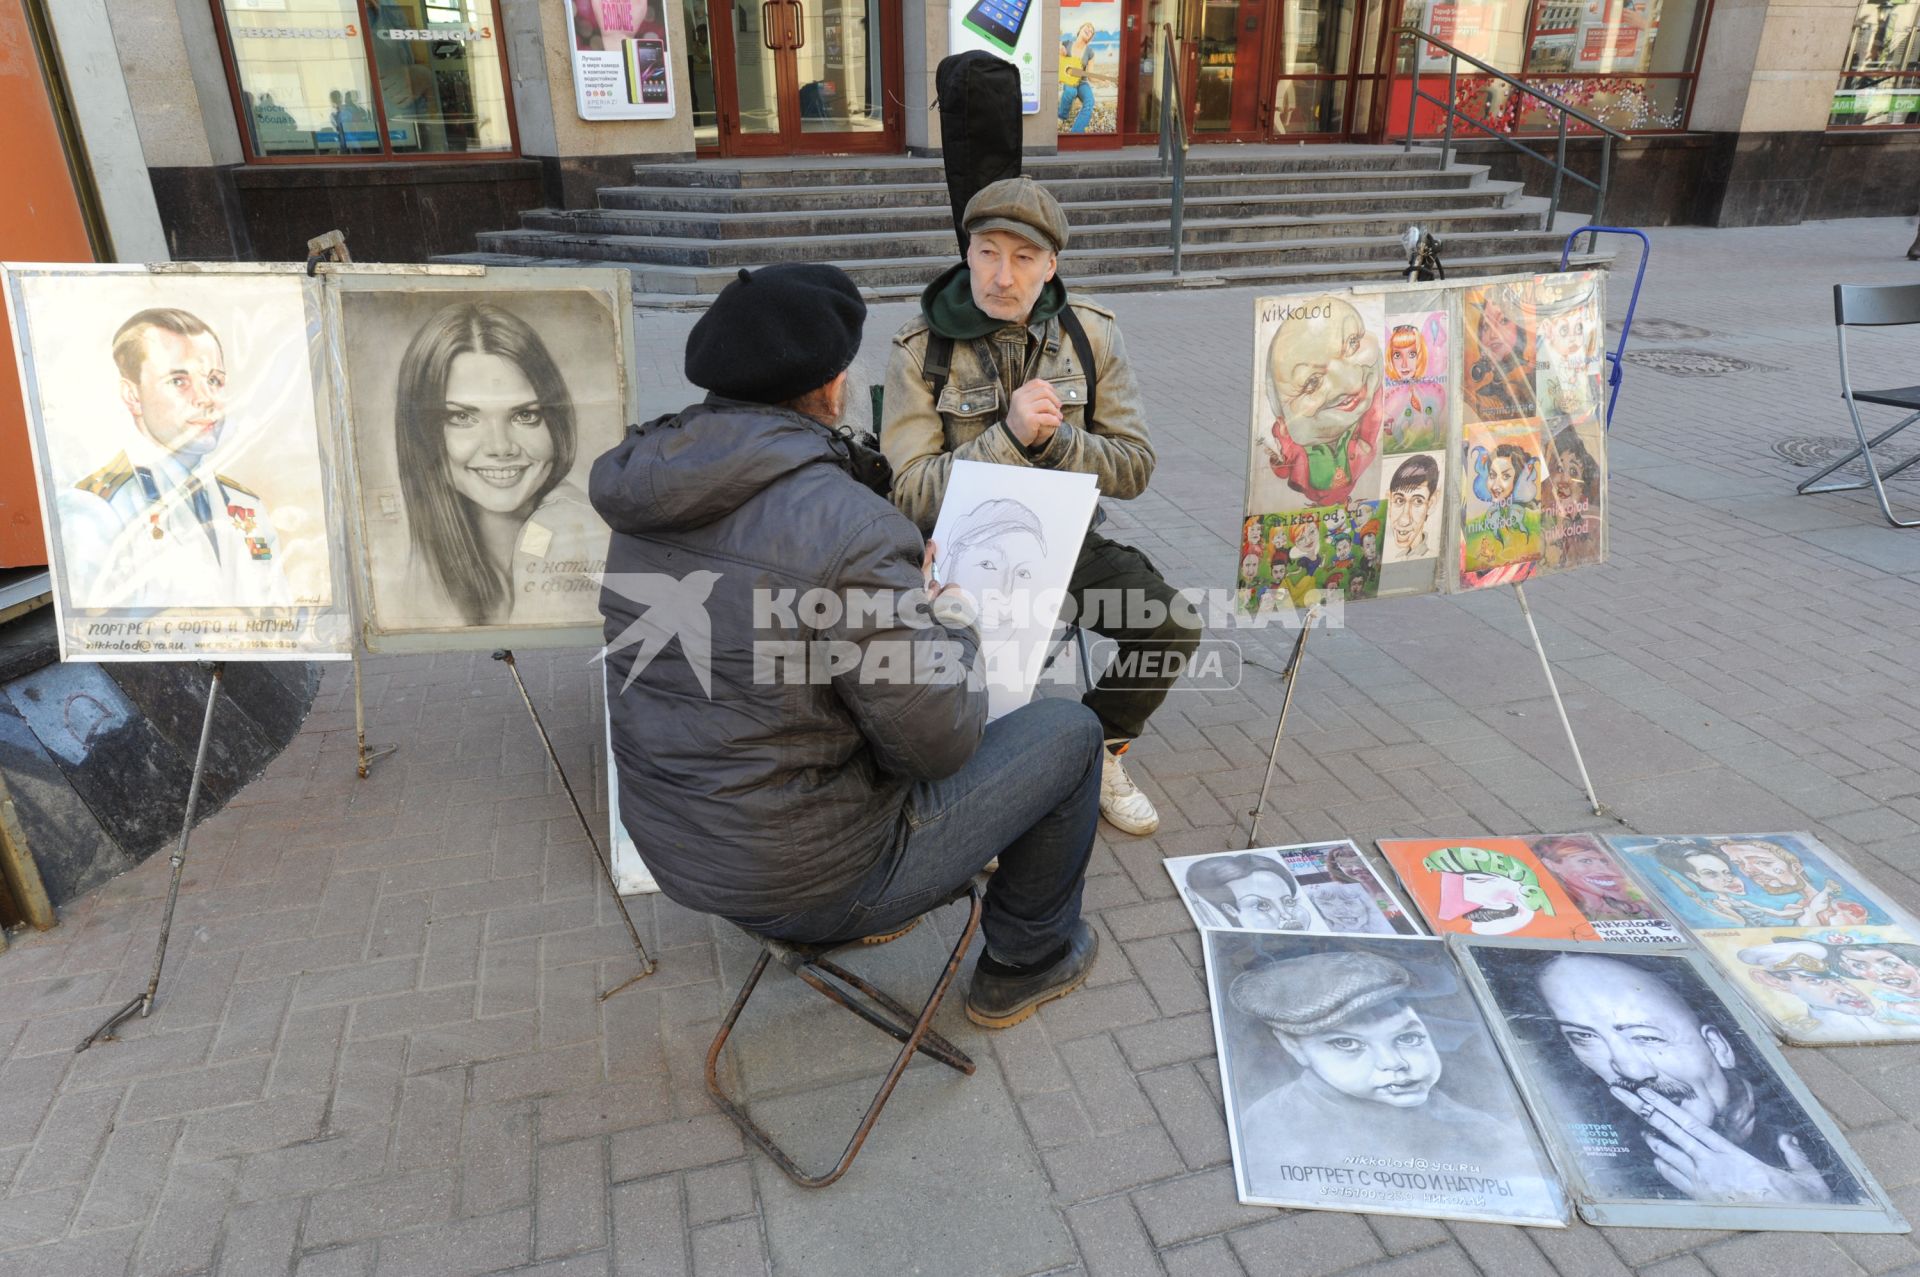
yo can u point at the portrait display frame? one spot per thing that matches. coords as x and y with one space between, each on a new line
1515 876
155 525
1310 869
1415 1145
1873 1210
1806 976
1341 421
376 507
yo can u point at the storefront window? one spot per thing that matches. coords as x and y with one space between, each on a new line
1628 63
369 79
1880 79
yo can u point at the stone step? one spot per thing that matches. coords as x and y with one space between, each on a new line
1282 276
1137 162
1071 193
938 217
610 242
1081 265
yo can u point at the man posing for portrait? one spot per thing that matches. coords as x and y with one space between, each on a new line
1706 1131
1003 366
156 526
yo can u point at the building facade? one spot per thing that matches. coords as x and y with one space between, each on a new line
413 124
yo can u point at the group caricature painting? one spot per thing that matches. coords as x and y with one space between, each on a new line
1421 438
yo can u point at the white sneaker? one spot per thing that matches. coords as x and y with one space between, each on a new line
1121 801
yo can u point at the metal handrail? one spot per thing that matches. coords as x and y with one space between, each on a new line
1173 138
1608 134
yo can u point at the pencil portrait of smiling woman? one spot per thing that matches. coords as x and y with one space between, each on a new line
475 513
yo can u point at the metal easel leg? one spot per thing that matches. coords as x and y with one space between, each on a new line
1554 687
368 757
647 964
144 1003
1292 677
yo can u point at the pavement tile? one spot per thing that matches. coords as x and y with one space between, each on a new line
1112 1241
260 1239
340 1261
496 1157
215 1087
99 1254
1113 1098
186 1223
463 1248
570 1201
1111 1163
1307 1243
1191 1114
719 1192
131 1173
729 1250
672 1146
1209 1258
1193 1206
372 1210
1776 1255
649 1229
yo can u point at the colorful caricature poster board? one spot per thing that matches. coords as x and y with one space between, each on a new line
1009 536
1722 1135
1484 887
179 426
1358 1076
1819 953
1008 29
473 530
622 60
1323 887
1089 67
1407 439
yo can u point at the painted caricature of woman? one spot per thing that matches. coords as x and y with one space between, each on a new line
484 431
1406 354
1508 480
994 557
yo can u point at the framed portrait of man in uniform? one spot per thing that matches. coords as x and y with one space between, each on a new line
474 403
185 477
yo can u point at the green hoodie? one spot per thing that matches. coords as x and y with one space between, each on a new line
948 305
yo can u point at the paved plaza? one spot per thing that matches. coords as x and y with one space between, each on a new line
380 1050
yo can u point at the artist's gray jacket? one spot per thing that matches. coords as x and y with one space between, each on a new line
766 795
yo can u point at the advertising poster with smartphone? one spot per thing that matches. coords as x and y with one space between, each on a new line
621 64
1007 29
1089 66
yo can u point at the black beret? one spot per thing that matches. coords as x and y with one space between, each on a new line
776 333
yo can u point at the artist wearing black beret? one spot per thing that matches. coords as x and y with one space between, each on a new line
818 780
774 334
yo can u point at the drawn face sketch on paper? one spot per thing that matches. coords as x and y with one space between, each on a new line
484 429
1892 970
1343 1017
995 553
1347 906
1412 503
1249 891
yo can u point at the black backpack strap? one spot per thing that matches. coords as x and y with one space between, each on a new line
938 362
1082 346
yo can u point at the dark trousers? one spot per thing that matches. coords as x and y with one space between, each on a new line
1029 795
1118 593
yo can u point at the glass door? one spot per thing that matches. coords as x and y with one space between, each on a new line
800 77
1325 68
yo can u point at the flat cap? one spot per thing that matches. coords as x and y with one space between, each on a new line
1313 993
1021 206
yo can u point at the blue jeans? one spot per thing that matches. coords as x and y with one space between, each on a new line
1084 92
1029 795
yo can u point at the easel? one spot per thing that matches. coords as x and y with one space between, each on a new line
1291 675
332 247
144 1002
647 965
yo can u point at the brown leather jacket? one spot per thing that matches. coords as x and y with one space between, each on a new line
922 438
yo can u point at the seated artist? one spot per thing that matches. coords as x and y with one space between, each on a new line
822 772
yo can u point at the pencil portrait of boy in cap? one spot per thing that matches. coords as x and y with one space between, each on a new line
1366 1032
